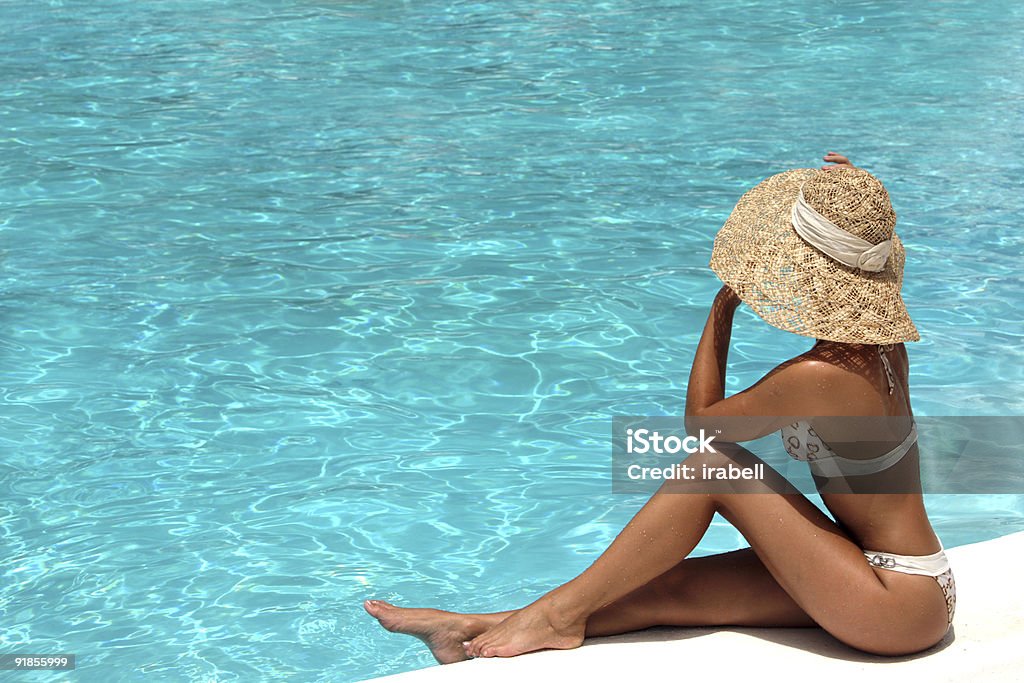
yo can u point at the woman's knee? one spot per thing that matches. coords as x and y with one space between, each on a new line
722 454
732 469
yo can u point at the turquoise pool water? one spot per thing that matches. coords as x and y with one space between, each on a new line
306 302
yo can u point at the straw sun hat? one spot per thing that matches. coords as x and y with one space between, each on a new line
814 252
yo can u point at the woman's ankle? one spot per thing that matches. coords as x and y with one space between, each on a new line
566 607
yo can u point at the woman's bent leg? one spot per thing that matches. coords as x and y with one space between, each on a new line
808 555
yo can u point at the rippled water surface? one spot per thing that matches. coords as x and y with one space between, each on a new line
305 302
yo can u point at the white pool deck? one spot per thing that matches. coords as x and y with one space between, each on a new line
986 644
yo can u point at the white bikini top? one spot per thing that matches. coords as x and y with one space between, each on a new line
802 443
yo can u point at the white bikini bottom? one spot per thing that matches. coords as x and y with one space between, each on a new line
935 565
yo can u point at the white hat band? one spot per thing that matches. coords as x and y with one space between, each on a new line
831 240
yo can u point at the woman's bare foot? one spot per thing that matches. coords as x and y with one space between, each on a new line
443 632
539 626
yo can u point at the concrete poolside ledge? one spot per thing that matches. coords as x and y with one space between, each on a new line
986 643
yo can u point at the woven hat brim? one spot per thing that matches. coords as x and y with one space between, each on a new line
795 287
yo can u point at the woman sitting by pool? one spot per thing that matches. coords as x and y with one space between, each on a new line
813 252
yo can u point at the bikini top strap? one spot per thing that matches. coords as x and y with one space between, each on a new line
882 348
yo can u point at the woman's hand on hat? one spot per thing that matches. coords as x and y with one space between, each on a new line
727 297
837 160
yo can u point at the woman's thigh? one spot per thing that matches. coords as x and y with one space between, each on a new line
826 574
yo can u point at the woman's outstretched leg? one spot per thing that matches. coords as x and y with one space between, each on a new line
732 589
729 589
443 632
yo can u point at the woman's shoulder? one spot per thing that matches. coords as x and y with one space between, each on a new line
807 368
841 380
